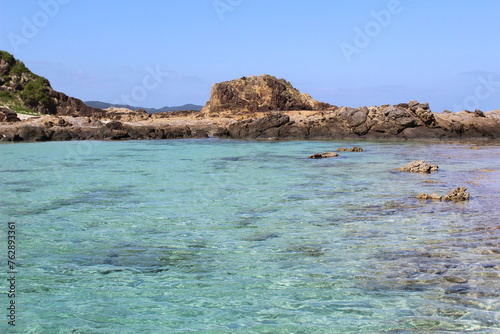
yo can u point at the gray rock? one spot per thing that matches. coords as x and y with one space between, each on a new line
323 155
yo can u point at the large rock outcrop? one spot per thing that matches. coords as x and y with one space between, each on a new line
258 93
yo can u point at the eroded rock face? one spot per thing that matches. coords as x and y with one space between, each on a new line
419 167
7 115
259 94
264 128
389 120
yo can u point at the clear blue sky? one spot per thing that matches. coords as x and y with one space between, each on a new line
442 52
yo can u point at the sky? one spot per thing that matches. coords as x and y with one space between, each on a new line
348 53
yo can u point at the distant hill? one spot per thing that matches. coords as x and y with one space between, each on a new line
105 105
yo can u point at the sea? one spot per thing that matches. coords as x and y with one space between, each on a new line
233 236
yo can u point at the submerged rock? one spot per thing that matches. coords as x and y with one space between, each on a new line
323 155
419 167
354 149
432 196
456 195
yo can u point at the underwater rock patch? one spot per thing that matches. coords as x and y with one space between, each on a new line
354 149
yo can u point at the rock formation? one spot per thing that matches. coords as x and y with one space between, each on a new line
258 94
7 115
419 167
456 195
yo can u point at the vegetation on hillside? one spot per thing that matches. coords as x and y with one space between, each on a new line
21 90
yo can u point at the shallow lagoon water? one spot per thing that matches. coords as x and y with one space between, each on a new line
222 236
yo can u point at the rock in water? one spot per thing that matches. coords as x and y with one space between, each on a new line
419 167
323 155
354 149
457 195
432 196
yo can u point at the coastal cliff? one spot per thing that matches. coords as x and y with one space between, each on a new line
256 107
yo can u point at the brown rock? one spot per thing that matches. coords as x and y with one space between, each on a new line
259 93
7 115
457 195
419 167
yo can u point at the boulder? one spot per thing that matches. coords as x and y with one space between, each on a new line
7 115
323 155
457 195
419 167
478 113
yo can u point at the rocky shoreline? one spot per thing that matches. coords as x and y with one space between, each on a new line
262 107
398 122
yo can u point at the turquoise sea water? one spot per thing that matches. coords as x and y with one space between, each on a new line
221 236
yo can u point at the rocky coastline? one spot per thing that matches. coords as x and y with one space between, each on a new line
375 123
256 107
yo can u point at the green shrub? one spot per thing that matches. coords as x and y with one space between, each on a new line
7 57
36 93
19 68
5 96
